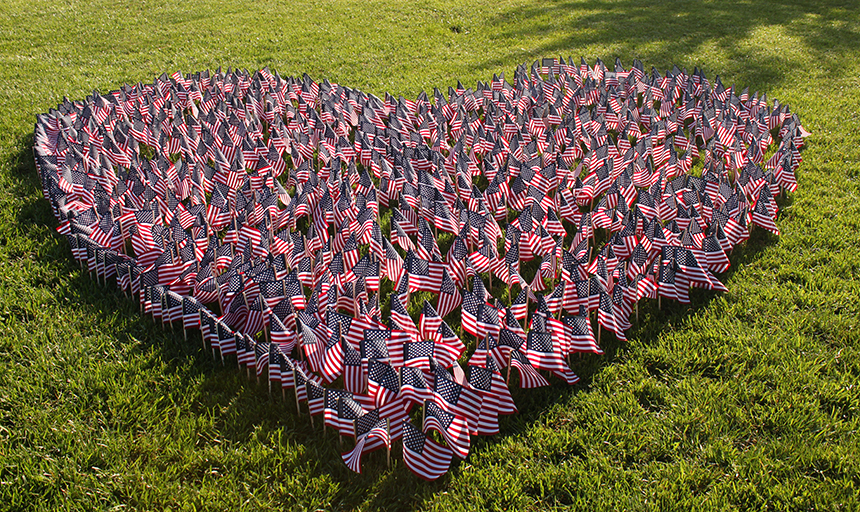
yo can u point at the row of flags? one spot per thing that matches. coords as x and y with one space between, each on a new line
275 214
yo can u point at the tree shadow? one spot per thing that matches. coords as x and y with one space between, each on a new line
669 32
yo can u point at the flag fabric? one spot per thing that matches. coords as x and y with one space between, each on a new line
529 376
383 382
495 399
413 386
372 433
459 399
424 456
423 274
454 429
544 355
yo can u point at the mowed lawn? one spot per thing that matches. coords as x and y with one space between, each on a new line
743 400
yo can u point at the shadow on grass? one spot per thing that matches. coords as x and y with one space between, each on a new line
669 32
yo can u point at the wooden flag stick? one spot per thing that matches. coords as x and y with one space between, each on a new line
388 431
104 278
238 361
116 268
152 311
200 321
218 290
78 238
593 234
271 227
296 389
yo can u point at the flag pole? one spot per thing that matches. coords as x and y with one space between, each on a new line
163 300
238 361
97 268
200 322
78 239
296 389
388 431
218 290
339 435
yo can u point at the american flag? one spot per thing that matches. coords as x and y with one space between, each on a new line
401 318
470 313
423 456
261 352
424 275
372 433
429 321
454 428
456 398
413 386
529 376
333 358
383 382
449 295
543 355
314 394
419 354
492 399
580 334
354 370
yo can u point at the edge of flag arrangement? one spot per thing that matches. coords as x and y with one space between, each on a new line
273 214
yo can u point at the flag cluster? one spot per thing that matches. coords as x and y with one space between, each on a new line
286 205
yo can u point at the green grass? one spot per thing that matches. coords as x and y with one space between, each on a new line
744 400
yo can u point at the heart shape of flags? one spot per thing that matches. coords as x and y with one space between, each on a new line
295 224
